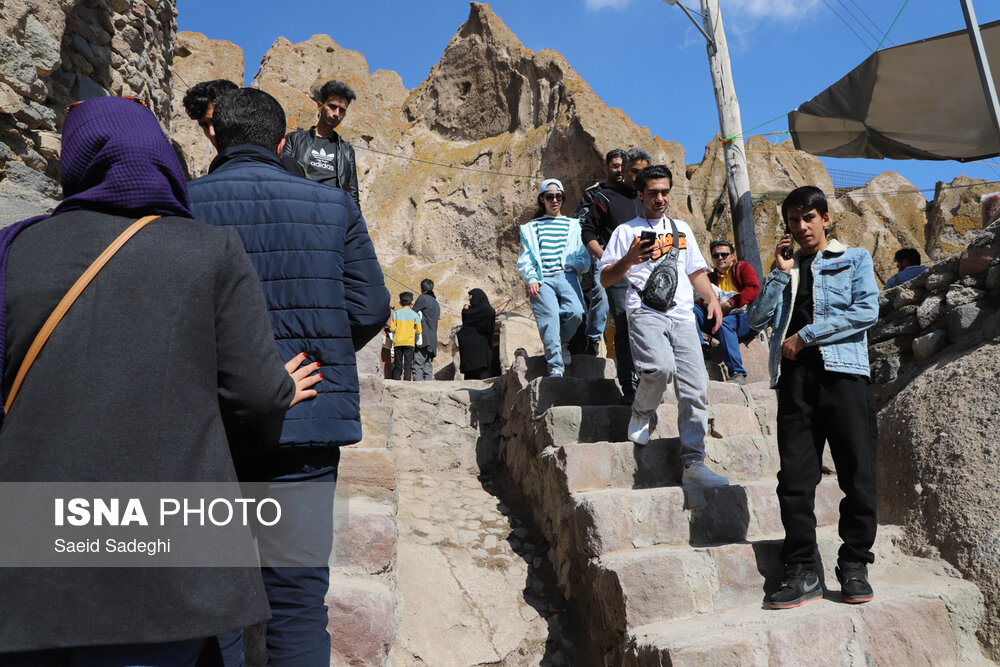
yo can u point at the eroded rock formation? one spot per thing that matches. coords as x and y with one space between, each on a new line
56 52
198 59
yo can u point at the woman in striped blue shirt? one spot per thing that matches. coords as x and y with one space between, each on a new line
552 258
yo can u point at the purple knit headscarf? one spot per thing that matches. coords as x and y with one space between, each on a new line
115 159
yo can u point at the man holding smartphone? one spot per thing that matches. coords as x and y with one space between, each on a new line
664 343
820 302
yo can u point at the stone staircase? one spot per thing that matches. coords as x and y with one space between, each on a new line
660 575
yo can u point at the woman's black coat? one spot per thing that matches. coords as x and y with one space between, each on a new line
167 347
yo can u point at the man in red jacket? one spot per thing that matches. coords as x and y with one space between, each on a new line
738 284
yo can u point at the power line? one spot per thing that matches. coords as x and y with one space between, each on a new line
905 2
464 168
849 27
874 25
681 188
858 21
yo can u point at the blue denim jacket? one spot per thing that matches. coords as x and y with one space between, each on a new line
845 306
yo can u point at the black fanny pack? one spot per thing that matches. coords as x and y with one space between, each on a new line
658 294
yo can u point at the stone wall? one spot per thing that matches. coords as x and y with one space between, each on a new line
934 357
950 308
55 52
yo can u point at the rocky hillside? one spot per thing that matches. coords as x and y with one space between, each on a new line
448 169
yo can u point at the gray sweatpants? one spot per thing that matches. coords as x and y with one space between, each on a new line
423 364
666 350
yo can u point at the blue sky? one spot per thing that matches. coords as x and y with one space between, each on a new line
642 56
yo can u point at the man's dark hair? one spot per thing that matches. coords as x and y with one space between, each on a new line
636 154
336 88
807 197
200 95
248 116
405 298
909 255
719 243
614 153
651 173
426 286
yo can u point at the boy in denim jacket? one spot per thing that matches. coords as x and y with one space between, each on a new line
820 303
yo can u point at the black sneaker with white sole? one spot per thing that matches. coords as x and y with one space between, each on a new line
854 586
799 585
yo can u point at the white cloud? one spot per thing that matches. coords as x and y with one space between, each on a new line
594 5
783 10
692 38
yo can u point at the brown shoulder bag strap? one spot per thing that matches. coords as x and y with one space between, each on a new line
67 301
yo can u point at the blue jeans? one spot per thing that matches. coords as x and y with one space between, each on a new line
733 329
168 654
558 310
297 631
597 311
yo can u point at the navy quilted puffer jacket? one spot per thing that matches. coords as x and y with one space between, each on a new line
324 287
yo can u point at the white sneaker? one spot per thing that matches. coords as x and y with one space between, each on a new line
555 374
638 430
567 357
698 474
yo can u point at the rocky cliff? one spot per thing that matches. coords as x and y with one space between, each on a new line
448 170
55 52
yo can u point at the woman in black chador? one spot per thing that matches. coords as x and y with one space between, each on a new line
475 338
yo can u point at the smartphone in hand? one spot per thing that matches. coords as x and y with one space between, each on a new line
789 251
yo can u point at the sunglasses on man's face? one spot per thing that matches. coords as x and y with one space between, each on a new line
553 196
721 255
137 100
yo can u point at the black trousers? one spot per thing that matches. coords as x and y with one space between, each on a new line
402 364
623 349
817 406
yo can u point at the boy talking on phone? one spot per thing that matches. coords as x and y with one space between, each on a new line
820 302
663 266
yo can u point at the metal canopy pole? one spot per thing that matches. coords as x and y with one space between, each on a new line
983 64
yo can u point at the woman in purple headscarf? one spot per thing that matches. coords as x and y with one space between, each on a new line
167 349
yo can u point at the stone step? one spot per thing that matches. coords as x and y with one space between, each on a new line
547 392
365 536
658 583
362 620
583 366
376 427
589 422
623 520
922 615
602 465
367 472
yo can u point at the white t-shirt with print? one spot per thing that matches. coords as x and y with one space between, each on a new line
689 260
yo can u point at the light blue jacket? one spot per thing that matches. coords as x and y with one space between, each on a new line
845 306
529 264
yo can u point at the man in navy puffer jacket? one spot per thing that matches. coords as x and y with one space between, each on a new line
326 298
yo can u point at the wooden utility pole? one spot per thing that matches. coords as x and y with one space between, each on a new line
737 178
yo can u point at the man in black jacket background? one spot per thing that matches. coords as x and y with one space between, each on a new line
323 154
609 208
597 299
